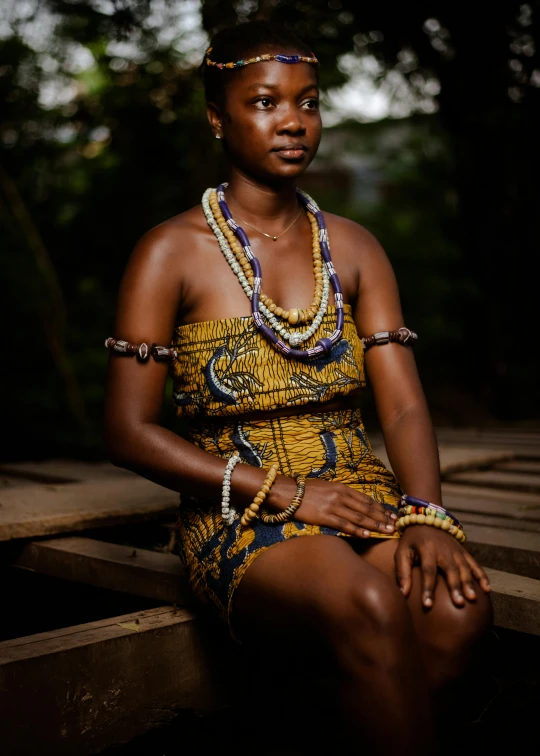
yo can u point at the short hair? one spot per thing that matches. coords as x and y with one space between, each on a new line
241 42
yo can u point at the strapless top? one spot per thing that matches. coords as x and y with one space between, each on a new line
226 367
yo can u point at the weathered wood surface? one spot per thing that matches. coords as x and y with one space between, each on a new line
140 572
529 466
45 509
19 474
516 601
497 479
520 441
90 686
508 505
78 690
515 551
455 458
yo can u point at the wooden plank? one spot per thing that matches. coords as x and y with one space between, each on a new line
106 565
514 551
515 439
528 466
502 523
500 479
514 506
40 510
516 601
79 690
57 472
454 458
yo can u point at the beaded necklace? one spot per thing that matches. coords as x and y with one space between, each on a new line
234 255
323 345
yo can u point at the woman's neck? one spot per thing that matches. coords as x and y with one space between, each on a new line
271 207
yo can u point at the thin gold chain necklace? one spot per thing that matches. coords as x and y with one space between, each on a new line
274 238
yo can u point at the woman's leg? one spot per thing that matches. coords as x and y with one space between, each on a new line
447 634
317 587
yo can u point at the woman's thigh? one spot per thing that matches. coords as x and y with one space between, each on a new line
299 588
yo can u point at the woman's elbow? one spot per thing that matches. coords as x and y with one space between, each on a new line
120 445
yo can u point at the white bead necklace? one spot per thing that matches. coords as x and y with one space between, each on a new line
295 338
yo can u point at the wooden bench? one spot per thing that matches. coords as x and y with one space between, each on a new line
79 689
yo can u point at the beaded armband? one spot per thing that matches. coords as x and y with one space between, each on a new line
403 336
142 351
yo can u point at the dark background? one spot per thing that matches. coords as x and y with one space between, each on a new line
451 190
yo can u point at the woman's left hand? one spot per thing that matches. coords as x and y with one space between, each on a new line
436 550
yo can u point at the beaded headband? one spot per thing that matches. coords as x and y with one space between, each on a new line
281 58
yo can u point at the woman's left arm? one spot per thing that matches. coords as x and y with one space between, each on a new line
408 432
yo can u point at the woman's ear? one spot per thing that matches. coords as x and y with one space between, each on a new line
213 114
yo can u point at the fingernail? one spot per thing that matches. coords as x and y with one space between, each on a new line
458 595
366 532
390 527
427 601
394 516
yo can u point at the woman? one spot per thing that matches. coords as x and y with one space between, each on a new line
399 609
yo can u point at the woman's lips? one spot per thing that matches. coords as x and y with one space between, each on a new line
292 153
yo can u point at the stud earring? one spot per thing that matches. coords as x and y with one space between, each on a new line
218 136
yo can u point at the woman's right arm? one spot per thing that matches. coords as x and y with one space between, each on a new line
151 294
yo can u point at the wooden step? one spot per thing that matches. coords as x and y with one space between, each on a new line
514 551
528 466
47 509
87 687
105 682
498 479
106 565
516 601
516 506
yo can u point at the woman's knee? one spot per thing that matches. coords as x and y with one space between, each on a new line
448 633
368 616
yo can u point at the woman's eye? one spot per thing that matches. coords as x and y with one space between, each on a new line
264 101
312 104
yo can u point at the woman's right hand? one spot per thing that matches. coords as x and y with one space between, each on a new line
333 505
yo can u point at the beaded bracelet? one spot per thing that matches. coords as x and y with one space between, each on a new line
250 513
403 336
287 514
415 511
143 351
228 513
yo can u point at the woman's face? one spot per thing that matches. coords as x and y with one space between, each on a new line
271 122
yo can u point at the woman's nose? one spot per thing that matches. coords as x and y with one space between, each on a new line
291 121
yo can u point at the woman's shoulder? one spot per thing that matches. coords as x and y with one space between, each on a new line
348 234
188 226
167 240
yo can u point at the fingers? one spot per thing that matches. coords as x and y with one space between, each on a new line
477 571
366 505
404 558
366 521
466 577
453 579
428 566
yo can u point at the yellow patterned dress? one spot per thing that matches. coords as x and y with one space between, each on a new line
226 369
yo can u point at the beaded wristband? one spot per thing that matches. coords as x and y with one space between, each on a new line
250 513
421 512
403 336
228 513
287 514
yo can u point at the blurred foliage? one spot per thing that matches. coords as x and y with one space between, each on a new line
126 146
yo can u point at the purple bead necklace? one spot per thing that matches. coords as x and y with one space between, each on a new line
323 345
